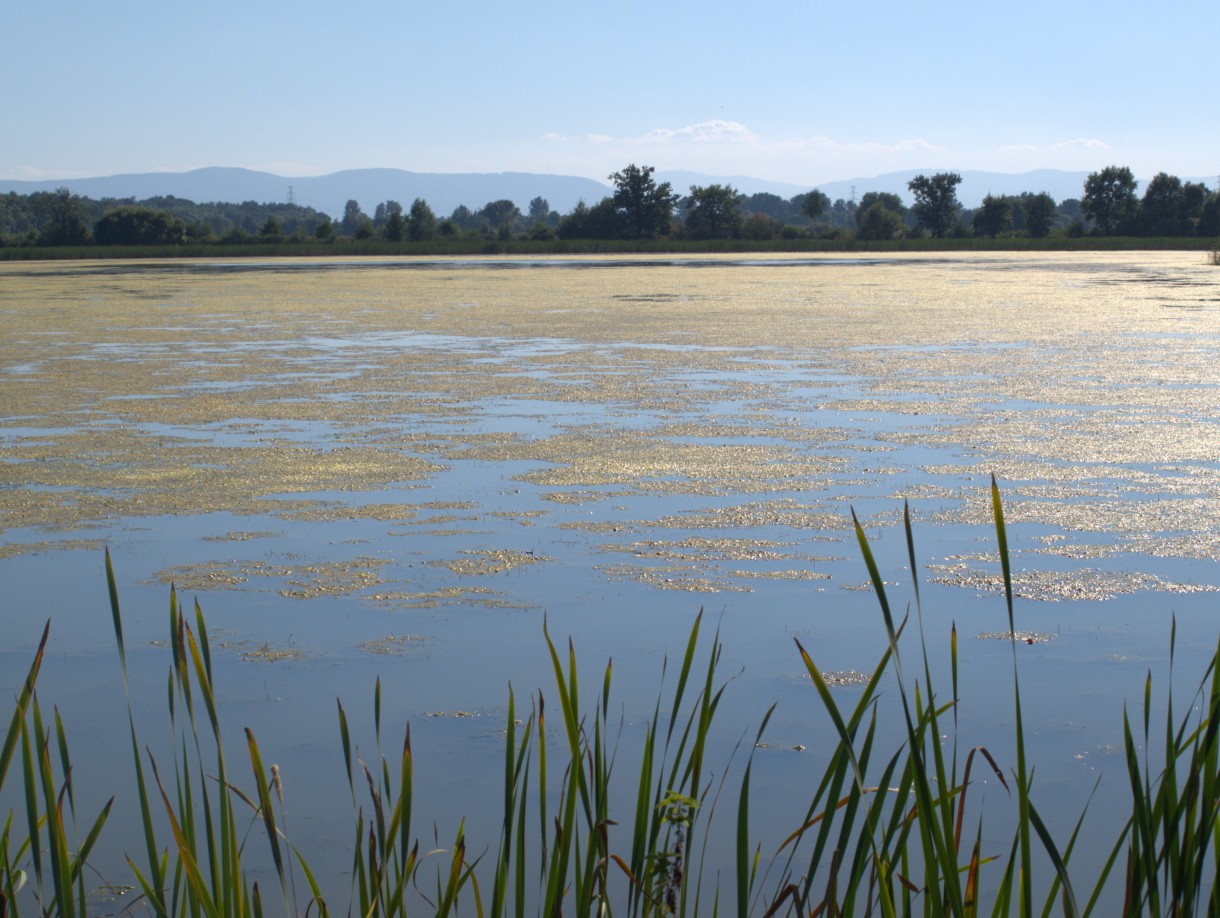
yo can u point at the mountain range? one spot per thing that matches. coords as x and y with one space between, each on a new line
446 191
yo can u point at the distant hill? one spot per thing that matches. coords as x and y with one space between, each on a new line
682 182
329 193
974 187
446 191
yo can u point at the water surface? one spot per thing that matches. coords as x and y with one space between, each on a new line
400 468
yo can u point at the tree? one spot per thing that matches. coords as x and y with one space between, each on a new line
645 207
325 230
353 217
814 204
540 211
463 218
395 229
842 212
993 217
1109 199
1195 196
271 231
878 222
601 221
770 205
887 199
64 224
936 203
1163 210
1209 217
139 226
1039 214
760 226
500 214
713 212
421 224
574 224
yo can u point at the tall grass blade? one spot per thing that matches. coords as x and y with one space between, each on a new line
12 736
1024 822
744 874
265 808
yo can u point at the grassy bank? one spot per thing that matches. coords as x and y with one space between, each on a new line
466 247
883 830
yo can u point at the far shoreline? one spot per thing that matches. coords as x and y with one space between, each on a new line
531 247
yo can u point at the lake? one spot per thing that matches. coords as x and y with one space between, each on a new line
400 469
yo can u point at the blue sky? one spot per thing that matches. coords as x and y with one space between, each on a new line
802 92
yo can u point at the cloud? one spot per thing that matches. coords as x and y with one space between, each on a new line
714 131
829 145
719 132
1081 143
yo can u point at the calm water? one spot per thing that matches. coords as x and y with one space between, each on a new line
399 469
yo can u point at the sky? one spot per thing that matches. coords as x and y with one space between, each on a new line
801 92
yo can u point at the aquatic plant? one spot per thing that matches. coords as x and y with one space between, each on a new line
882 833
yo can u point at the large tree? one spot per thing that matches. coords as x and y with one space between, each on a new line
878 222
936 203
395 225
500 215
886 199
421 224
994 217
1163 211
645 207
353 218
1109 199
713 212
540 211
814 204
1039 213
64 221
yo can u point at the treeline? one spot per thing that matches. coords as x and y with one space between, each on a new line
638 208
62 218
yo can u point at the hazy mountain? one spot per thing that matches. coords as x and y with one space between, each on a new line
446 191
329 193
975 185
744 184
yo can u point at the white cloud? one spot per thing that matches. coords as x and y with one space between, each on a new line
829 145
714 131
1082 143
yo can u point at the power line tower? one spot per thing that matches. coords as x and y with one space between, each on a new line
292 200
853 194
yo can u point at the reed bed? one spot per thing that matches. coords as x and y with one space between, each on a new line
883 832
